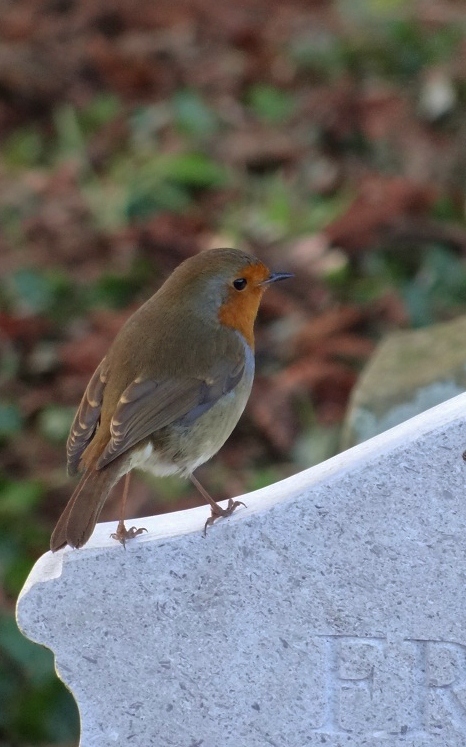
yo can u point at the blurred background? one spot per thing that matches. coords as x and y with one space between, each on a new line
328 137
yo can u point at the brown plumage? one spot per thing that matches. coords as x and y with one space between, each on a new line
171 387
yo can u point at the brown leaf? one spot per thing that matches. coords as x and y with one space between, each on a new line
26 329
85 354
380 202
334 321
390 309
270 409
344 346
170 238
310 372
258 148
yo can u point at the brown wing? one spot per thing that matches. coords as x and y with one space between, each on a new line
148 405
86 419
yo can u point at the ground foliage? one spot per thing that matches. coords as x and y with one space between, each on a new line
326 137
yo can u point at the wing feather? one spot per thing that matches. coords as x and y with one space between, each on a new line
147 406
86 419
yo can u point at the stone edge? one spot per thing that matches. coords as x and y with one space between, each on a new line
176 524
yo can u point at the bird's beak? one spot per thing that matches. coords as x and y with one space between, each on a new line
275 276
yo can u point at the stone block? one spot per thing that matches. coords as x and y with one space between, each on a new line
328 612
409 372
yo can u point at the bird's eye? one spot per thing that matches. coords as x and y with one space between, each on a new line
240 284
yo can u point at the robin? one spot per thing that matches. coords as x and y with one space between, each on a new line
171 388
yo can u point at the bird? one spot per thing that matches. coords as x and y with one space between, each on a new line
170 389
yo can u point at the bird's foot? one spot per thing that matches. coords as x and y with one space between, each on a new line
123 535
219 512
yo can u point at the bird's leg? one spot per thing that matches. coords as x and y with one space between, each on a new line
122 534
216 510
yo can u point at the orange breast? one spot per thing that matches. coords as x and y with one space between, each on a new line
240 309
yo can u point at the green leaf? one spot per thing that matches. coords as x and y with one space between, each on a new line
192 116
34 705
11 420
47 292
271 104
23 148
144 200
194 170
35 661
163 183
102 109
321 52
33 289
69 134
55 422
145 123
19 498
16 574
10 684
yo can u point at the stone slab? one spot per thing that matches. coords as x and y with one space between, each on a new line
410 371
330 612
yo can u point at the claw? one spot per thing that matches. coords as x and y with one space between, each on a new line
219 512
123 535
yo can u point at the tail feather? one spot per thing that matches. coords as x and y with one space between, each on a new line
77 522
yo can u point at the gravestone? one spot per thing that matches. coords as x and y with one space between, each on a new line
330 611
405 377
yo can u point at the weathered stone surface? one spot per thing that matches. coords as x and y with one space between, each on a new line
409 373
329 612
